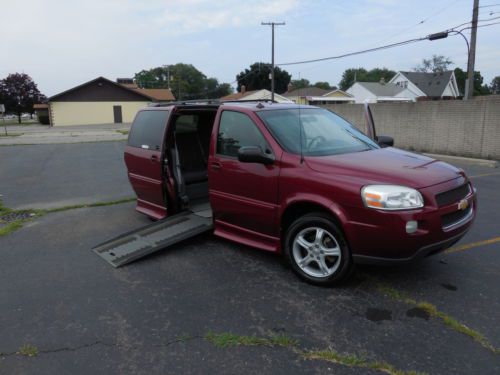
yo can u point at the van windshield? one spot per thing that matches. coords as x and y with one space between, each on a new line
323 132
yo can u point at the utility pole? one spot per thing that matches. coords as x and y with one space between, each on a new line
272 24
469 83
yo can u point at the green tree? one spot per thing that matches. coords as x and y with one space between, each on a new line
257 78
437 63
323 85
19 92
300 83
495 85
362 75
479 88
186 82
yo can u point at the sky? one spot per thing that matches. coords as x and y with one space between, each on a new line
64 43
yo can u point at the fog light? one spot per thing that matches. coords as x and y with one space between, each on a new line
411 226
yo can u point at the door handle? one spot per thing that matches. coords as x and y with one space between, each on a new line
154 158
215 165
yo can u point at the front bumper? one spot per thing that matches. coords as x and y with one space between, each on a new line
379 237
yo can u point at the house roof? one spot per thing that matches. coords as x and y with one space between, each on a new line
157 94
98 81
379 89
238 95
306 91
432 84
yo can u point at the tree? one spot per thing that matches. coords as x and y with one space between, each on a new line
495 85
438 63
479 88
19 92
323 85
362 75
300 83
185 81
257 78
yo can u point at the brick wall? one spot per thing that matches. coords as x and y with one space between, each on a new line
455 127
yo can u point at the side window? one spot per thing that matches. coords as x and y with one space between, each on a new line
237 130
147 129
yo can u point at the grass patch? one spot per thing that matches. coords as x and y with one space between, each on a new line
352 360
10 227
433 311
227 339
124 132
28 350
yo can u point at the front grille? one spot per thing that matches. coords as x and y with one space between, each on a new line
455 218
451 196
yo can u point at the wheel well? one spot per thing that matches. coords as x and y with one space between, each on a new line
297 210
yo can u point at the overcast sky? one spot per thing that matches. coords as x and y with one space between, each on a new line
68 42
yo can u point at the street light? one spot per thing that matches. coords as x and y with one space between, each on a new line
444 34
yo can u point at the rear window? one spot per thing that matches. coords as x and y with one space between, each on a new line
147 129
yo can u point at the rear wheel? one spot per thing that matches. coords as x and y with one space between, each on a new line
317 250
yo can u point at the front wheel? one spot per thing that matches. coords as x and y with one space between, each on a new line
317 250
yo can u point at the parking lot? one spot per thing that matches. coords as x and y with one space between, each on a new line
211 306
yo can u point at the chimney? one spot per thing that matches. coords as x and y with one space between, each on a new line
382 80
289 87
243 89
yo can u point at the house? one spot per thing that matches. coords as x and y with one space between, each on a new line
262 94
315 96
425 86
376 92
101 101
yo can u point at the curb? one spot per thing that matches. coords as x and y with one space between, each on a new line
481 162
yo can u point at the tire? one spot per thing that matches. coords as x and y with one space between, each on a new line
317 250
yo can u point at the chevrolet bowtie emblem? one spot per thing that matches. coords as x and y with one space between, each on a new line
463 204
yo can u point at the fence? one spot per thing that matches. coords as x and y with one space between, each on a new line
452 127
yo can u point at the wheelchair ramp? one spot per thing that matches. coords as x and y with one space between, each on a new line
134 245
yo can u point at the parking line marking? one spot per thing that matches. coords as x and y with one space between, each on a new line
472 245
485 174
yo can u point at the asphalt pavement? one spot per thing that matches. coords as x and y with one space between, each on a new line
153 316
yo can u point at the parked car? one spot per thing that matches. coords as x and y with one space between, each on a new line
297 180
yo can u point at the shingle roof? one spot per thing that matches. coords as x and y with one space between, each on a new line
432 84
306 91
378 89
238 95
157 94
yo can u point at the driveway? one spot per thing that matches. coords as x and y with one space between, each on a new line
211 306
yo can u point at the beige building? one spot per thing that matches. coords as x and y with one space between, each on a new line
101 101
256 95
317 96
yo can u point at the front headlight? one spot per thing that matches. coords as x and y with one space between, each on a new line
391 197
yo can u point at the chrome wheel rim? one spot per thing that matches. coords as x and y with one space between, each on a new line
316 252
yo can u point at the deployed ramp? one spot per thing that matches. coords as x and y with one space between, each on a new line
146 240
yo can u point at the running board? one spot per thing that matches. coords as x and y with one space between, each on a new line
131 246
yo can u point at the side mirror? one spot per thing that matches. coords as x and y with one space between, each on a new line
385 141
254 154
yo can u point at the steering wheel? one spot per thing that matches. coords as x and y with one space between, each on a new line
316 140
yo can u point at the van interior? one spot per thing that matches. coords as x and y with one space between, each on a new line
192 130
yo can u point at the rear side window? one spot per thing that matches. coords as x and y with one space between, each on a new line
237 130
147 129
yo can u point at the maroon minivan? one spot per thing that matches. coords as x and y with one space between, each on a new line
298 180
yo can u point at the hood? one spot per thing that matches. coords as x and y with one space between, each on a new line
387 166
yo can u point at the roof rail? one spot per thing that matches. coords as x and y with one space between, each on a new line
248 101
187 102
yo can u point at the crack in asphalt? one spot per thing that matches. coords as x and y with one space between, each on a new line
103 343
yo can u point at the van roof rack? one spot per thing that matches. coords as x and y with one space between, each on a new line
187 102
210 102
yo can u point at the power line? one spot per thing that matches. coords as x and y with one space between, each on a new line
356 53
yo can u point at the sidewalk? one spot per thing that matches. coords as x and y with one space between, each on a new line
43 134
